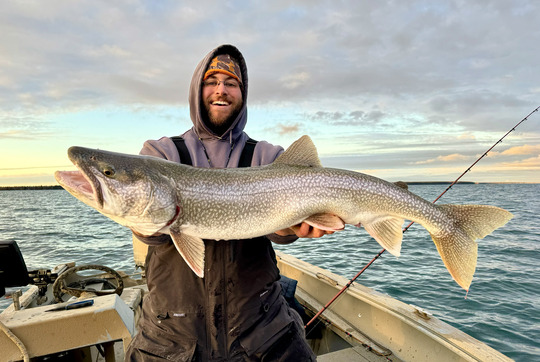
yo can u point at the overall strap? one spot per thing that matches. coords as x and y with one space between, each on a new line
185 158
183 152
247 153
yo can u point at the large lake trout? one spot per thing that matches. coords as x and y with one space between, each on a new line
151 195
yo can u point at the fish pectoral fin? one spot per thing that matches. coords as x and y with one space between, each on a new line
387 231
192 250
329 222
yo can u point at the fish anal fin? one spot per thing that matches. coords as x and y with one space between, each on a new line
386 230
329 222
301 153
192 250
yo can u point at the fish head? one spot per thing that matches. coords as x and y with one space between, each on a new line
131 190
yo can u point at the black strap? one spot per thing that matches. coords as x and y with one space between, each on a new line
185 158
183 152
247 153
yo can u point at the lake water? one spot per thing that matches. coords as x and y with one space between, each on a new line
502 308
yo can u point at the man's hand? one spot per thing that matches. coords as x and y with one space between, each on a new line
303 230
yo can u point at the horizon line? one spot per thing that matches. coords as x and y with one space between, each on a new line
48 187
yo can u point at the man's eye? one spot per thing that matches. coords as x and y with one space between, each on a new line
231 84
211 83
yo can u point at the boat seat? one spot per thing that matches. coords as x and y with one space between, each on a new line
111 318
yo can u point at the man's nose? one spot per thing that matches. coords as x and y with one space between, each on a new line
221 89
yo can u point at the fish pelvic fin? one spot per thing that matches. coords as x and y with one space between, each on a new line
329 222
301 153
458 248
387 231
192 250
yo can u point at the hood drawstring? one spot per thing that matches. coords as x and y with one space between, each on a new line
206 153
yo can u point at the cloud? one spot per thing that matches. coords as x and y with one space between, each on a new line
293 81
528 163
287 129
348 118
413 56
23 127
466 136
448 158
532 163
526 149
107 50
522 150
15 134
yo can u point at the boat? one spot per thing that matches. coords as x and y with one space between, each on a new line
100 319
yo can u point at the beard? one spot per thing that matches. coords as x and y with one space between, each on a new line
220 122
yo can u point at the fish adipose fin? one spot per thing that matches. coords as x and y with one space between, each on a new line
387 230
329 222
192 250
301 153
458 247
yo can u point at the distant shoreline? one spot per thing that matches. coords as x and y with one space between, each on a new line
50 187
58 187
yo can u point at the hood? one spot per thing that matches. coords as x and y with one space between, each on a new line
196 109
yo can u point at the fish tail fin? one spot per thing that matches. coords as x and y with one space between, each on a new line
457 247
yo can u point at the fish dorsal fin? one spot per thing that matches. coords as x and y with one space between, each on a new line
301 153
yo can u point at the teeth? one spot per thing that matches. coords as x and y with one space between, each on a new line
220 103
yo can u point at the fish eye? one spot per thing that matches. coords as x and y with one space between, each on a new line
109 171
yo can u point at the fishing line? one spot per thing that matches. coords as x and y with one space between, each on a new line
408 226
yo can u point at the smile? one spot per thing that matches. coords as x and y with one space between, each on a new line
220 103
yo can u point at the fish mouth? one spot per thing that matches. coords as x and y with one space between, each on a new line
82 183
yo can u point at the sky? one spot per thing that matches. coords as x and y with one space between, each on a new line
402 90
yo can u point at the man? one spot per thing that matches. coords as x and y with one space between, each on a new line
236 312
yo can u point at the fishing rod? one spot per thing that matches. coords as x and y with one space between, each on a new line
408 226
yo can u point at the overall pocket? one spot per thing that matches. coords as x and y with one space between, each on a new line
276 322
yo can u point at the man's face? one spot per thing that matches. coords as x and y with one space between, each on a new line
222 98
